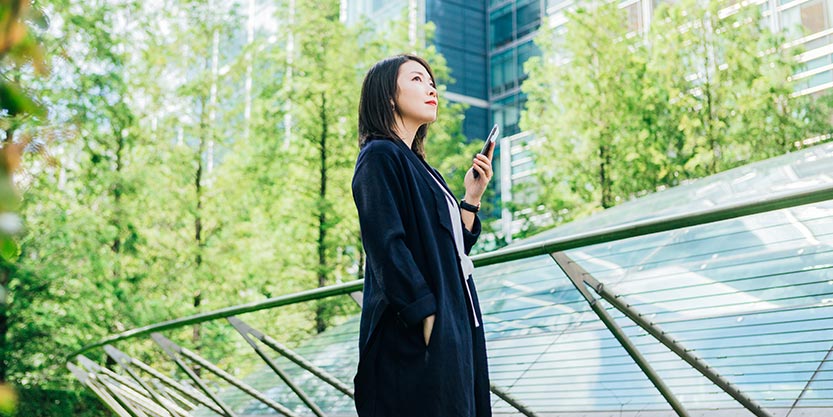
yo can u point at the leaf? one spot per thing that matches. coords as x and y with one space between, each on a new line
15 102
9 249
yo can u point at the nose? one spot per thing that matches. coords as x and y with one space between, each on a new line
432 91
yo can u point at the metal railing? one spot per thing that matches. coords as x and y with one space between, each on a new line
133 396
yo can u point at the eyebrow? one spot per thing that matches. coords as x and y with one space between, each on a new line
422 74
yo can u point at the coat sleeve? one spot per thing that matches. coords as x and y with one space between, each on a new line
381 202
470 237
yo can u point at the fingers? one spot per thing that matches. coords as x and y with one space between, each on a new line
427 327
484 171
479 171
483 166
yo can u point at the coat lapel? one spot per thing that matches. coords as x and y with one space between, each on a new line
442 181
440 202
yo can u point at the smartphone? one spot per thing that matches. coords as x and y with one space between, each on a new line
489 141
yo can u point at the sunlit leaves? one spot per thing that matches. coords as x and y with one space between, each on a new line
700 91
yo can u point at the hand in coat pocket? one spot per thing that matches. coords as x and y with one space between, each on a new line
427 328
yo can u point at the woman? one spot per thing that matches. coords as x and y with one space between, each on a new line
422 351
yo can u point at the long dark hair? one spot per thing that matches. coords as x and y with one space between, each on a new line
376 114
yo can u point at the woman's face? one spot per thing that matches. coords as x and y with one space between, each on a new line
416 98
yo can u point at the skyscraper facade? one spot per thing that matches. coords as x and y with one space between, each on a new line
460 37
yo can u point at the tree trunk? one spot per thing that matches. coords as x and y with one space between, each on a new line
604 150
116 222
195 335
195 338
198 212
709 66
604 176
117 193
198 191
320 312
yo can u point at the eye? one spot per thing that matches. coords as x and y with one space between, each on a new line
417 78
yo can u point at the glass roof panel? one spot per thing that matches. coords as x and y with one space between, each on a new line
752 297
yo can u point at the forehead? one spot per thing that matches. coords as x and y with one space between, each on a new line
412 66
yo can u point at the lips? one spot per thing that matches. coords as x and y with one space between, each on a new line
431 102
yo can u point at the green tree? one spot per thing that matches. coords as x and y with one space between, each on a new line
736 105
619 117
20 55
200 164
584 103
76 228
188 92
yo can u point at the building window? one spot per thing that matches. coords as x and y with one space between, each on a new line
816 63
806 19
815 80
814 16
525 51
503 71
528 17
634 12
507 114
500 26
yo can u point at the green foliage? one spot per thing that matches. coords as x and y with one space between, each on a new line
18 47
621 113
19 44
596 121
59 403
76 227
194 168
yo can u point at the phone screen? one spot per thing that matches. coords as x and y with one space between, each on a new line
490 139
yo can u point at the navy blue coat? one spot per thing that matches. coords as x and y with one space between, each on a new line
413 271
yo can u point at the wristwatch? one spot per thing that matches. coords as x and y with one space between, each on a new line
469 207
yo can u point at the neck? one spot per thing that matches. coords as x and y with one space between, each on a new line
405 131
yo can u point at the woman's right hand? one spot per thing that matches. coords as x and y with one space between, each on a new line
427 327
